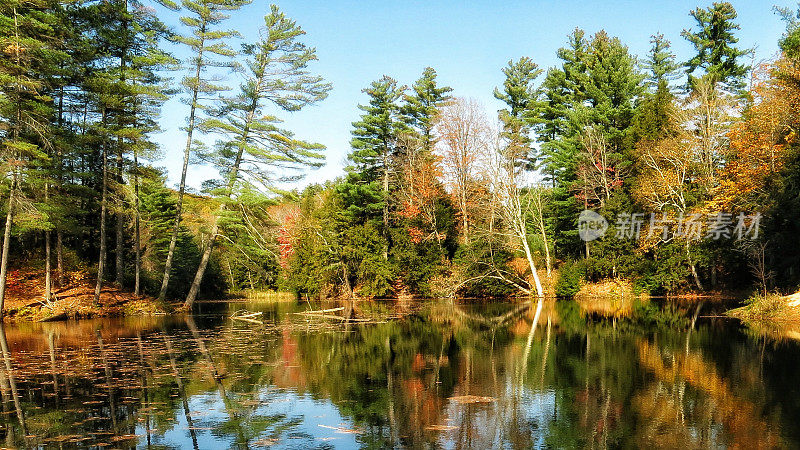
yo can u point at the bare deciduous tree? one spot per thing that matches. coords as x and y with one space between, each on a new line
599 171
463 134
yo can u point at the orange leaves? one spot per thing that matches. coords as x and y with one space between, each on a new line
13 49
757 145
286 215
417 235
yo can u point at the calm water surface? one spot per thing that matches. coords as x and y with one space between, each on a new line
434 375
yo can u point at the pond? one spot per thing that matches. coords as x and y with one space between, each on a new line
433 374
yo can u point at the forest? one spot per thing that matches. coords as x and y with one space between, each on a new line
676 176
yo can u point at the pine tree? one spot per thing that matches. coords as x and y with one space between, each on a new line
715 44
209 49
518 119
422 104
660 63
30 59
144 91
69 199
598 86
127 90
790 41
653 120
375 143
275 74
590 99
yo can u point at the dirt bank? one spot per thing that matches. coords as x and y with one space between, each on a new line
25 299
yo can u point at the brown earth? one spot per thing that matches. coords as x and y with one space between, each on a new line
24 300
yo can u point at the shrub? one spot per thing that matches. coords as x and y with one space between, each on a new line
571 276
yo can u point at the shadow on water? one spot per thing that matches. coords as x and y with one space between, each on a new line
434 373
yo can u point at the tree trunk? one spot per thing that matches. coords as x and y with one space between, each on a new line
60 257
137 245
60 166
103 206
201 270
6 245
120 237
385 205
48 288
120 223
464 218
693 268
186 152
534 273
546 246
48 285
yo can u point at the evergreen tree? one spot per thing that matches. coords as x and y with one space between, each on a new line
522 99
275 74
653 119
715 44
598 85
375 145
790 41
595 91
31 58
660 63
148 91
209 48
129 91
422 104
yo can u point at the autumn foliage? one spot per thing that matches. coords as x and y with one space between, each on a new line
758 144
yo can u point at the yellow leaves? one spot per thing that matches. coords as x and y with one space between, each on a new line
14 49
757 146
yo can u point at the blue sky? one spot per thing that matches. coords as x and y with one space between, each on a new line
466 42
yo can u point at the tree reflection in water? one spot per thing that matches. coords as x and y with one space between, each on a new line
438 373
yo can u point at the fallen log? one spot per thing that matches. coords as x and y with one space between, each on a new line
320 311
55 317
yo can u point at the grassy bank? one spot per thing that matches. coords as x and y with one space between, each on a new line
770 308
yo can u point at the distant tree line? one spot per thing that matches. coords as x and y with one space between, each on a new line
439 197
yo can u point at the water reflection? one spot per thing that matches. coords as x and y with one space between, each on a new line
435 374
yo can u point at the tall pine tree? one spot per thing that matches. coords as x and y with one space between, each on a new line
209 48
375 145
715 44
276 74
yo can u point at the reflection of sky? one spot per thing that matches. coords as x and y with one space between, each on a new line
208 411
535 410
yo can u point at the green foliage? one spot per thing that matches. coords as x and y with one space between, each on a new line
158 212
422 104
82 84
253 144
660 62
362 247
570 278
715 44
790 41
472 260
375 135
518 118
